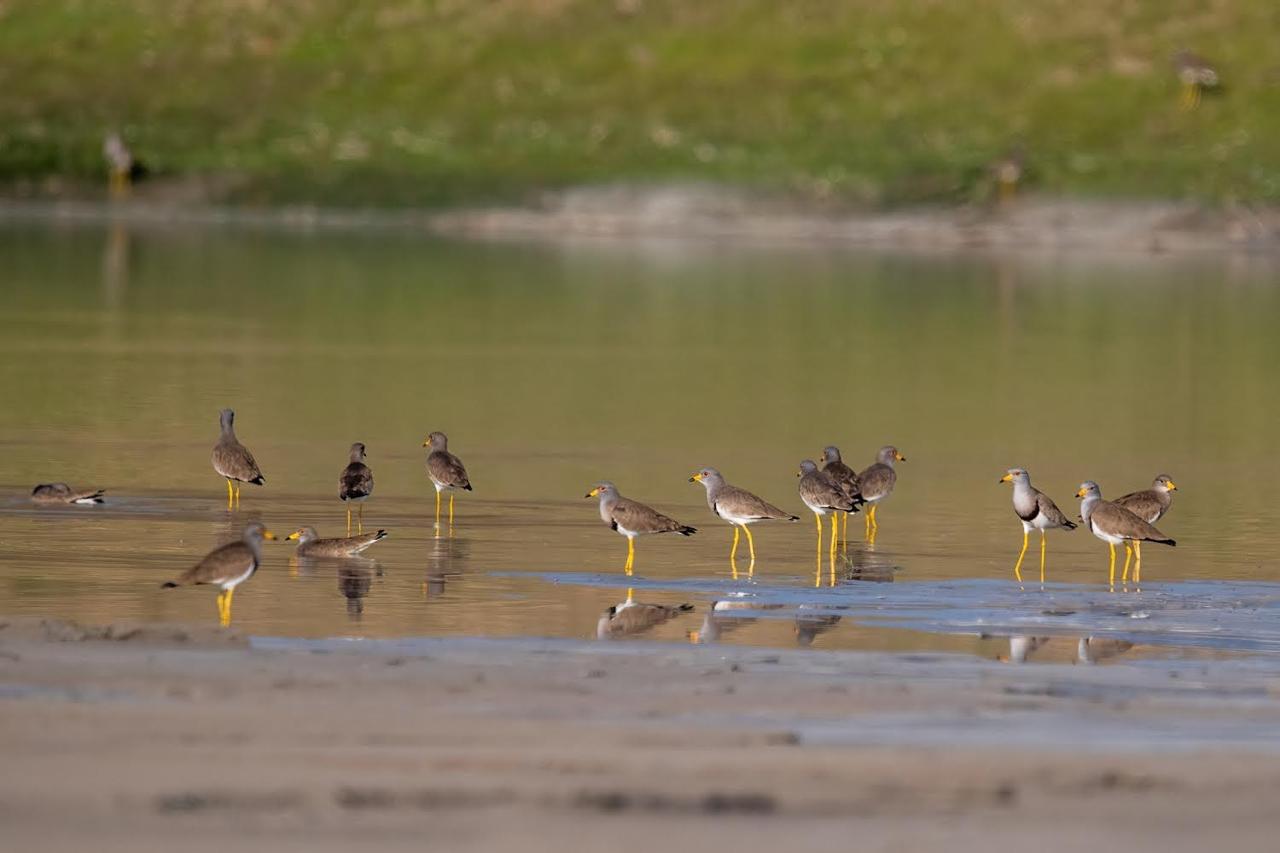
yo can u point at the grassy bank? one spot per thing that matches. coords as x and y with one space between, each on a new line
419 102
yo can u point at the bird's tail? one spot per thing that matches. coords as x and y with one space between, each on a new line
685 608
1069 525
93 498
686 530
258 480
168 585
1168 542
381 534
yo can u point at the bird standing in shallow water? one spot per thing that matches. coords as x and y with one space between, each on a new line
1150 505
232 460
846 478
822 495
445 470
355 484
227 567
1036 512
738 507
632 518
876 483
1196 74
1115 524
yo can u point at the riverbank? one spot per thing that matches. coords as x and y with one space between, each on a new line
190 735
715 214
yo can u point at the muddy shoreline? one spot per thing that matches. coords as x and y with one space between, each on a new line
716 214
188 734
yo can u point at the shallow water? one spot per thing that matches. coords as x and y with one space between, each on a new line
553 366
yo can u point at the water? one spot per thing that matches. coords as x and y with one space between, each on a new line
553 366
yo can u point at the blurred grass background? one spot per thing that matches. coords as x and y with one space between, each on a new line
436 102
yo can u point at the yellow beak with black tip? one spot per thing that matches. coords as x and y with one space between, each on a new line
1007 478
294 535
696 478
592 493
1172 486
898 456
1081 493
267 534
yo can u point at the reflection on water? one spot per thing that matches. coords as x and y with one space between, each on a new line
1086 650
554 366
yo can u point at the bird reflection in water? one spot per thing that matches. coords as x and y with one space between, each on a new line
1088 650
447 558
632 618
726 616
809 624
355 579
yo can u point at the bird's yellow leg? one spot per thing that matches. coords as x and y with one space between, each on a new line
231 493
733 552
630 592
875 522
866 520
1137 565
751 543
226 605
631 555
437 507
1017 567
220 608
817 519
835 522
237 495
360 519
348 519
451 509
1111 574
1041 556
844 533
1128 554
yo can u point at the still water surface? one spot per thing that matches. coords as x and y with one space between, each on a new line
553 366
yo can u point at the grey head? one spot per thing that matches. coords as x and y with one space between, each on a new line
807 466
1164 483
709 477
1089 495
305 535
437 441
1018 476
357 452
889 455
606 491
830 454
254 533
226 420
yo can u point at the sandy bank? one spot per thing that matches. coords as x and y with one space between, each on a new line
710 213
187 737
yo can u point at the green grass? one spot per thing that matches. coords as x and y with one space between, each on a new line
417 102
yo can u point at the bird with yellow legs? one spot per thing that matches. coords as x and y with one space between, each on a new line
631 519
1196 75
1115 525
847 479
823 496
227 567
739 508
876 483
232 460
1036 512
446 471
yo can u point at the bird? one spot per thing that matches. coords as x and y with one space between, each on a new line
1097 649
1022 647
61 493
445 470
1007 173
1036 511
1196 74
823 495
354 582
632 518
845 477
123 168
1151 504
232 460
1115 524
355 485
738 507
311 545
876 483
227 566
636 617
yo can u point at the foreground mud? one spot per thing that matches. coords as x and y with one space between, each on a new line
114 737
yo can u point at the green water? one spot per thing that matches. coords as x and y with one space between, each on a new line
552 366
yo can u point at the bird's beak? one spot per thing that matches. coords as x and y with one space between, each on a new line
799 473
426 442
293 535
1006 478
1172 487
899 457
1081 493
696 478
592 493
267 534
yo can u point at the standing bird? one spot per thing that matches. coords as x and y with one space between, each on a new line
631 518
1150 505
1115 524
823 495
355 485
61 493
232 460
1196 74
1036 511
876 484
227 566
445 470
845 477
738 507
122 168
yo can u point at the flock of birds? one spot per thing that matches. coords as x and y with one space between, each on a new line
834 490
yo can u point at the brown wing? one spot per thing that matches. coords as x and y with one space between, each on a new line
1050 510
1118 521
742 504
447 469
356 482
1144 505
232 459
844 477
341 546
637 618
818 490
639 518
220 564
877 481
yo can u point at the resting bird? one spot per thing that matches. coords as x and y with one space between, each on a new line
632 518
311 545
61 493
1036 512
227 567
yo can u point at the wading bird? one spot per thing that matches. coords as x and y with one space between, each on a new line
445 470
632 518
232 460
1114 525
227 566
1036 512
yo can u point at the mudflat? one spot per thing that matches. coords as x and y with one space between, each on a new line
120 737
